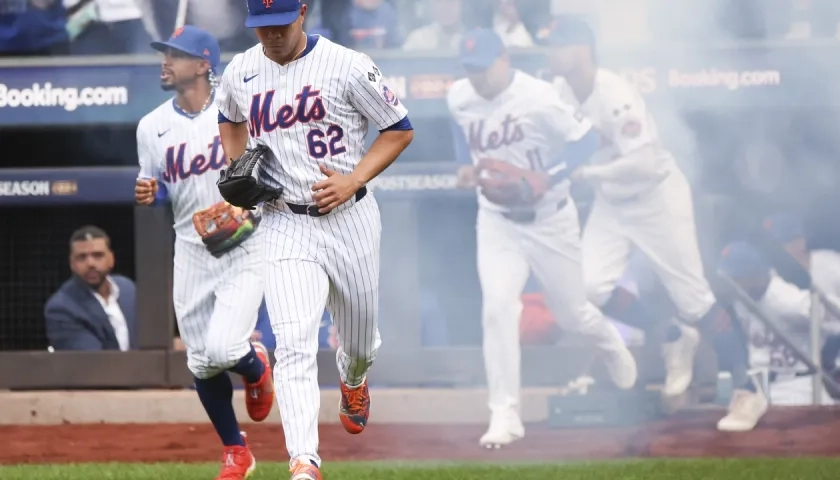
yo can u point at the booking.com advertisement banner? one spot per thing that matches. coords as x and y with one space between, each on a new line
757 77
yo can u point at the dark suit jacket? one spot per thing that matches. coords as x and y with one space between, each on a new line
75 319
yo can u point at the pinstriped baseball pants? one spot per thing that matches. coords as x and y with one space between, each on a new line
313 263
216 302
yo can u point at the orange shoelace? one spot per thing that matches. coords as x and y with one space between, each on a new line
357 400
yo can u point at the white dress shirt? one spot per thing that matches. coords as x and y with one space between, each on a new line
115 314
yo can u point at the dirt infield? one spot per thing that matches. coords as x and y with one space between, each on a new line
784 432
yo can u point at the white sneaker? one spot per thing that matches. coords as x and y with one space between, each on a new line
504 429
745 410
621 367
679 361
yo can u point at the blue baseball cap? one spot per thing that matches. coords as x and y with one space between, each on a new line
272 13
740 259
480 49
568 30
194 42
784 227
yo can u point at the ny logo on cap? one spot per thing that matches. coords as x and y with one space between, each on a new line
206 52
178 31
470 44
267 3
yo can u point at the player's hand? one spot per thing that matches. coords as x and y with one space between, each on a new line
145 190
334 190
466 177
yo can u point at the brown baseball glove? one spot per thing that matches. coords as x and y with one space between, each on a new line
506 184
223 226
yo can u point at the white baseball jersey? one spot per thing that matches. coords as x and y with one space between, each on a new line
312 111
825 272
215 299
184 154
790 307
525 125
631 157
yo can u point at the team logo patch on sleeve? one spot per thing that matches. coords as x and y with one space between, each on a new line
389 96
632 128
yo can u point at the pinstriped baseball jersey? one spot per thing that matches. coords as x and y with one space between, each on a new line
525 125
312 111
184 154
215 299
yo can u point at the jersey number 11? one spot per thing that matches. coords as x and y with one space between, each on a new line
535 160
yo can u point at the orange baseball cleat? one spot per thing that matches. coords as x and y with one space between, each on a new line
354 407
304 471
238 463
259 396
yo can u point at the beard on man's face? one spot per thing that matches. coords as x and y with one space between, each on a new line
170 84
93 277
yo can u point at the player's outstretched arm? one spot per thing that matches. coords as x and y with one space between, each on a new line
628 130
575 155
638 165
580 139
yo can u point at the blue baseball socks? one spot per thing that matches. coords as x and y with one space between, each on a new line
216 395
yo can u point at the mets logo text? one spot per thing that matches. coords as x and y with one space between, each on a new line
268 3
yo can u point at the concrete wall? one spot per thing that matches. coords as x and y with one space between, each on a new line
437 406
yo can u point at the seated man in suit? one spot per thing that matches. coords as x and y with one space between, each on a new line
93 310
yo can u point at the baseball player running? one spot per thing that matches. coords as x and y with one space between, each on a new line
218 277
514 125
642 199
305 102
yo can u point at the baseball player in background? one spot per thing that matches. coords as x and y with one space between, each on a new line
218 274
789 307
513 126
306 102
822 264
643 200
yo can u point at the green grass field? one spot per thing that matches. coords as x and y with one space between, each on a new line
711 469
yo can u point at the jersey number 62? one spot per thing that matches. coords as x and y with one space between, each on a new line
320 144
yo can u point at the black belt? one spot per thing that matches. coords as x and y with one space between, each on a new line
312 210
529 216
